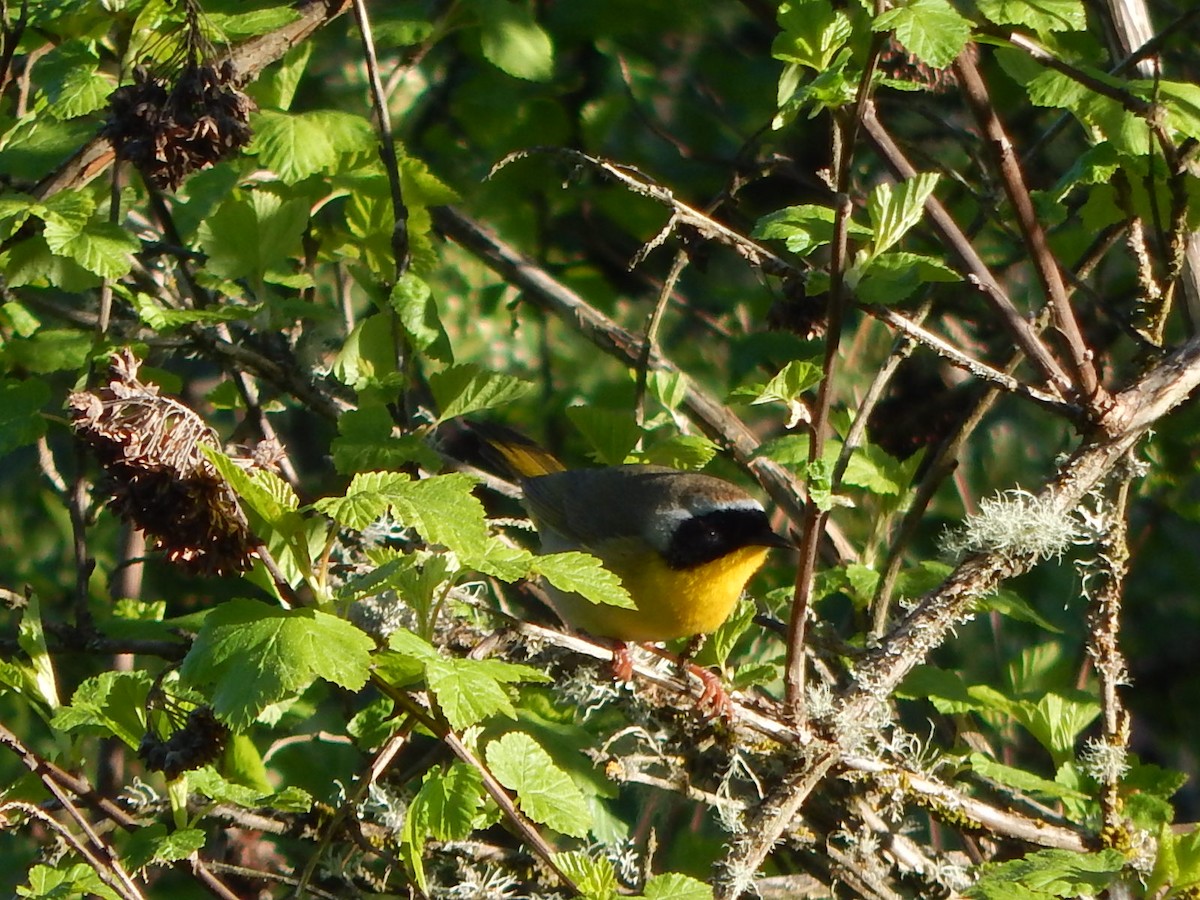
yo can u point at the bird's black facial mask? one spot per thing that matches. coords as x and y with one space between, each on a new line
707 537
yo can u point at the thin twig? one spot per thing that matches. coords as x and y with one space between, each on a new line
1079 355
980 276
387 144
551 295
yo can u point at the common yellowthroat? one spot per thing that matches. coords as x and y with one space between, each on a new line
683 544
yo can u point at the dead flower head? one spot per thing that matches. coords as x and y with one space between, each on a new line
182 115
156 474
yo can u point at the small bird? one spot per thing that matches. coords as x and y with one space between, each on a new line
683 544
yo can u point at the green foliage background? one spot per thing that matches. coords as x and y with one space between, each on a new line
689 157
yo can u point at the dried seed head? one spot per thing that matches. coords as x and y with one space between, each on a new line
171 126
157 477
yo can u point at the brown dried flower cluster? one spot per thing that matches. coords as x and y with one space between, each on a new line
171 130
156 473
896 62
197 743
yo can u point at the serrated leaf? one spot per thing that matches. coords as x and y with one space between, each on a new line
466 694
21 404
894 209
1056 873
946 690
413 302
441 508
1057 720
297 145
544 792
873 470
367 498
668 388
263 491
1039 16
247 237
451 800
804 228
154 844
790 382
674 886
612 432
252 655
513 42
52 883
811 33
113 701
595 878
931 30
893 277
1021 780
100 247
583 574
466 389
681 451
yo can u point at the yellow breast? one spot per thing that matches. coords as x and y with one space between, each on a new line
671 603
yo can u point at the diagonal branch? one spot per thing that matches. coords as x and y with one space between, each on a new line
1079 356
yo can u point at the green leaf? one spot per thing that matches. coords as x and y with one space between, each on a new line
668 388
790 382
513 42
946 690
804 228
413 302
252 655
451 800
261 490
74 87
79 880
248 237
21 405
462 390
894 209
297 145
595 878
873 470
811 33
612 432
367 498
1039 16
113 701
681 451
31 638
892 277
100 247
1049 873
1012 605
1021 780
465 693
441 508
467 690
583 574
673 886
1057 720
544 792
153 844
930 30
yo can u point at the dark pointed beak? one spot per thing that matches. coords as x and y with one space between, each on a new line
771 539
